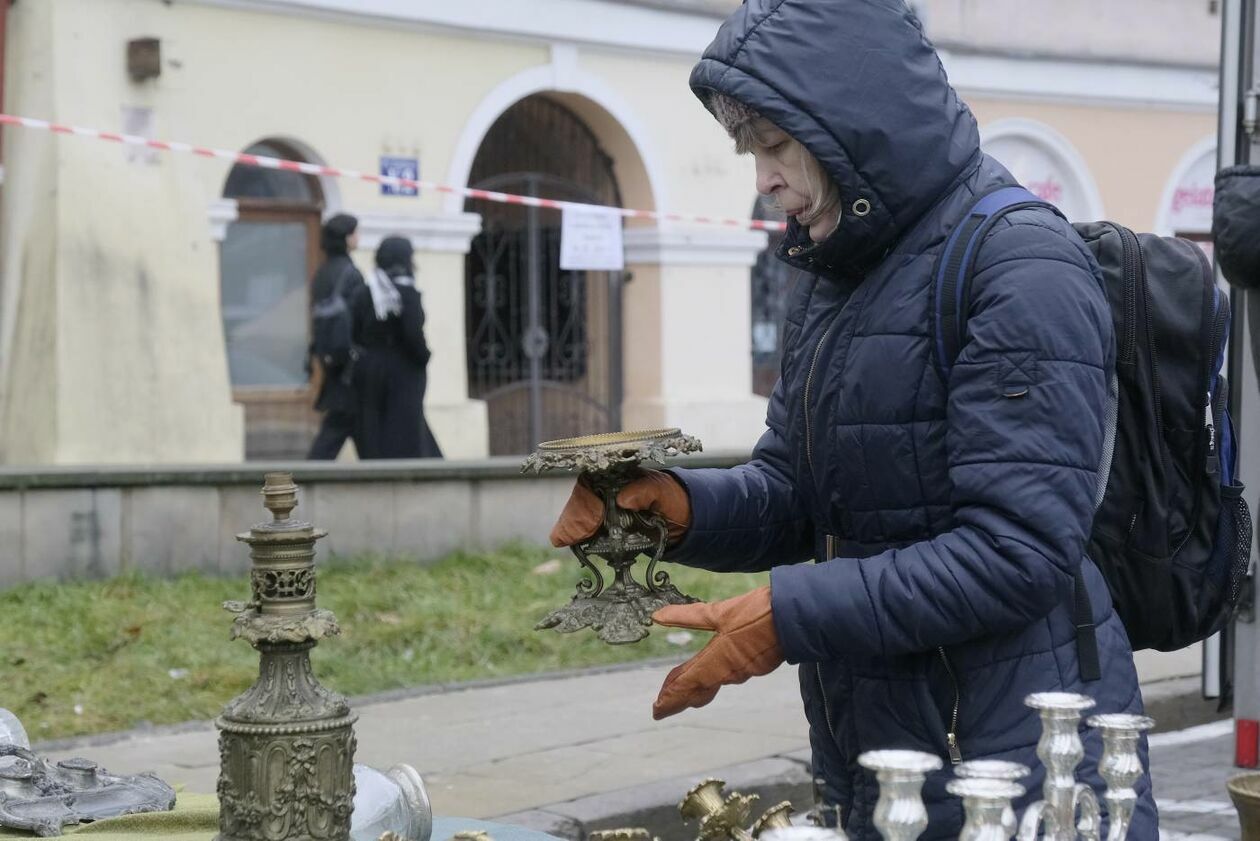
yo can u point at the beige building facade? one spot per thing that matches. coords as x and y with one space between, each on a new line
153 305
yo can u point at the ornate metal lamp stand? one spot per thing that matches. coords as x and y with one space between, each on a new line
286 746
621 612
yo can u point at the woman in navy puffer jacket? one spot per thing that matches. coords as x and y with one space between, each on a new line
949 519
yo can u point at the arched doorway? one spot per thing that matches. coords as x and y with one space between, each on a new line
772 283
266 261
543 345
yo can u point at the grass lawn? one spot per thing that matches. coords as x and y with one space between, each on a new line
98 656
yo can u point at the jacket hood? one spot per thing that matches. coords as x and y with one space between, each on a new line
859 84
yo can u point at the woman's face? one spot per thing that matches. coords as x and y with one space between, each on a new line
781 176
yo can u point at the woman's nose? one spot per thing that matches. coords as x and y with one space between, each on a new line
768 179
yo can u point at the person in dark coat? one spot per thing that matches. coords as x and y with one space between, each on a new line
390 374
948 519
337 275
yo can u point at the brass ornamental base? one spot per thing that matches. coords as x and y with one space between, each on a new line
286 744
620 611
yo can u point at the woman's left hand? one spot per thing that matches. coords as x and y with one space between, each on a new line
746 645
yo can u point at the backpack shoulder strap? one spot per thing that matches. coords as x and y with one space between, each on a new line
951 286
951 291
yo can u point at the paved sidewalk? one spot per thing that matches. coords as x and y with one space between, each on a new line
576 753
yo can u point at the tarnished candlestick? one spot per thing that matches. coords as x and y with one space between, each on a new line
987 803
1121 766
720 818
995 769
900 814
620 612
778 816
286 745
1060 750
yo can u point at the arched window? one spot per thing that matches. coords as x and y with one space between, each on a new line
1186 208
266 261
1046 163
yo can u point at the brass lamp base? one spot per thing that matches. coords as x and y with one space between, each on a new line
620 612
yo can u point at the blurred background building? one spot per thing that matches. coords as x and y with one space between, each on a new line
153 306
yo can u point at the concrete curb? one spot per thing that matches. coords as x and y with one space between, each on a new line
1174 704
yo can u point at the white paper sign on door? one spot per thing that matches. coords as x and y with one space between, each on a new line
590 239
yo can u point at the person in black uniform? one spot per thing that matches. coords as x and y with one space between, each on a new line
337 275
390 374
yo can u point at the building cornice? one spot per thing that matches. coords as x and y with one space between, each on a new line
592 22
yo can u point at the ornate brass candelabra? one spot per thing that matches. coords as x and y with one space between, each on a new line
286 746
722 817
621 612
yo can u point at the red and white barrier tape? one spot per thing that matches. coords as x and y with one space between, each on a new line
393 181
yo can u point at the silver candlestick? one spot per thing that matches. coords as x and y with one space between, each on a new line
804 833
900 814
995 769
988 804
1121 766
1060 750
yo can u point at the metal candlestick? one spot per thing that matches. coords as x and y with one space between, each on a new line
900 814
987 803
1061 750
720 818
804 833
778 816
995 769
286 745
1121 766
620 612
986 786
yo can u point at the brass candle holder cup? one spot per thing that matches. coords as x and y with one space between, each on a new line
620 611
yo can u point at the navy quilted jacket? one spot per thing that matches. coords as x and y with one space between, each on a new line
957 513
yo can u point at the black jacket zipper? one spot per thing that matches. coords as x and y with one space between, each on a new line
951 736
809 384
822 693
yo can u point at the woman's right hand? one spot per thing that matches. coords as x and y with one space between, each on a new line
654 492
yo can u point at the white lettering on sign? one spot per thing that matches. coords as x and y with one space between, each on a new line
590 239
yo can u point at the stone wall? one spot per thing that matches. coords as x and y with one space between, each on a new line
67 524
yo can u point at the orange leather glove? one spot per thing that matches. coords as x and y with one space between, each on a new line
746 645
654 491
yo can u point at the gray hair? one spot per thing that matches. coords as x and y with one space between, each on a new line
740 123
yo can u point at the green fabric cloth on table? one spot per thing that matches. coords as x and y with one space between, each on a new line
195 818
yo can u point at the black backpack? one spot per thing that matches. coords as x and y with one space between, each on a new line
1171 532
332 328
